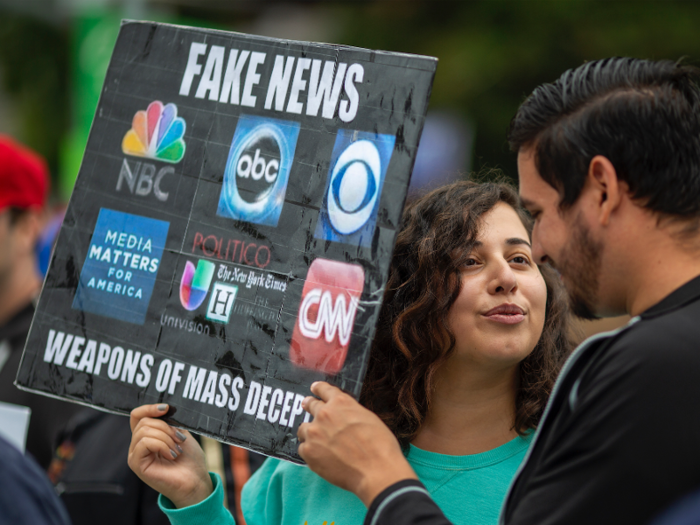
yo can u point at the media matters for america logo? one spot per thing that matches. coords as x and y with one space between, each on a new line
329 303
358 166
257 170
156 133
121 265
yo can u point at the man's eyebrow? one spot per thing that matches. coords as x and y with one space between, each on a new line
526 203
514 241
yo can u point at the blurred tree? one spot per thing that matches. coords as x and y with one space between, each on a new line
34 63
494 53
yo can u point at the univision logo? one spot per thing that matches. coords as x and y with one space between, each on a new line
257 170
195 283
156 133
358 167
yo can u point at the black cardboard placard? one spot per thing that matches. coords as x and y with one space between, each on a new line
228 239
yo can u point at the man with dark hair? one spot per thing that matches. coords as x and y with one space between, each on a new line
23 189
609 168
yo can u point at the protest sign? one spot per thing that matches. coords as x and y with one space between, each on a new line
228 239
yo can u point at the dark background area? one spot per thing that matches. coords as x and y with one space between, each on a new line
492 54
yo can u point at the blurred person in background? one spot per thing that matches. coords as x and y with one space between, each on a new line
24 185
90 476
79 446
97 486
26 496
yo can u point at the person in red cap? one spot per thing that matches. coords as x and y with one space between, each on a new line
24 185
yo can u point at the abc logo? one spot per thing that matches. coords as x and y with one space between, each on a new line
355 183
326 317
258 165
257 170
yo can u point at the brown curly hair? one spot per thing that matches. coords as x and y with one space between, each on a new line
413 337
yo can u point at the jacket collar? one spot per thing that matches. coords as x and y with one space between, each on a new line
680 297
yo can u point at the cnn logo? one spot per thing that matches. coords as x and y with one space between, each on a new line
329 303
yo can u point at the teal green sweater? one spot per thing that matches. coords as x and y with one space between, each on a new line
468 489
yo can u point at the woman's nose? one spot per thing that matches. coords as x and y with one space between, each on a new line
503 280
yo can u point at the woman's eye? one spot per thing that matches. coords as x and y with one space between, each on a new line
520 260
470 262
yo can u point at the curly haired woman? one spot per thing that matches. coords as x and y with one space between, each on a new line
470 339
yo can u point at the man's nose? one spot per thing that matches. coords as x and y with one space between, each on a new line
538 253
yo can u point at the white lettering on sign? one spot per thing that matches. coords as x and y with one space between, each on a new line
143 179
331 318
274 406
296 85
89 356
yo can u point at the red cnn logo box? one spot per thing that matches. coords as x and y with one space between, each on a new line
329 303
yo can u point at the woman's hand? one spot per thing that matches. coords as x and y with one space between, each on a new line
168 460
350 446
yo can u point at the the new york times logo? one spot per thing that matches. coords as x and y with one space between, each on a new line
257 170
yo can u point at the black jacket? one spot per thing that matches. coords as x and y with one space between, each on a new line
92 476
26 496
619 440
49 415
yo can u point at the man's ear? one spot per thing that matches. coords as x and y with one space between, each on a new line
28 229
605 186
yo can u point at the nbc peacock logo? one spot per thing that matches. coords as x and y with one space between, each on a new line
156 133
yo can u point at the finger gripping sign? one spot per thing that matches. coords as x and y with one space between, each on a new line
230 232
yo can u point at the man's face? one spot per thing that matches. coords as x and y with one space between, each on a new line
562 239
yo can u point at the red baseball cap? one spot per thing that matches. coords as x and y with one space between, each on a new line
24 176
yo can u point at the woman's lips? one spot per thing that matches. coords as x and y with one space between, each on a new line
506 314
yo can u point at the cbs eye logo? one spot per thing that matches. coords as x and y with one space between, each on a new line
358 167
257 170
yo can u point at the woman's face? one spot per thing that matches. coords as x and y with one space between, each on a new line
498 316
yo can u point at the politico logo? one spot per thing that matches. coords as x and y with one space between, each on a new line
257 170
358 166
329 303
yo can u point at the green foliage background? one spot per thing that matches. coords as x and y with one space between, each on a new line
492 54
35 70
